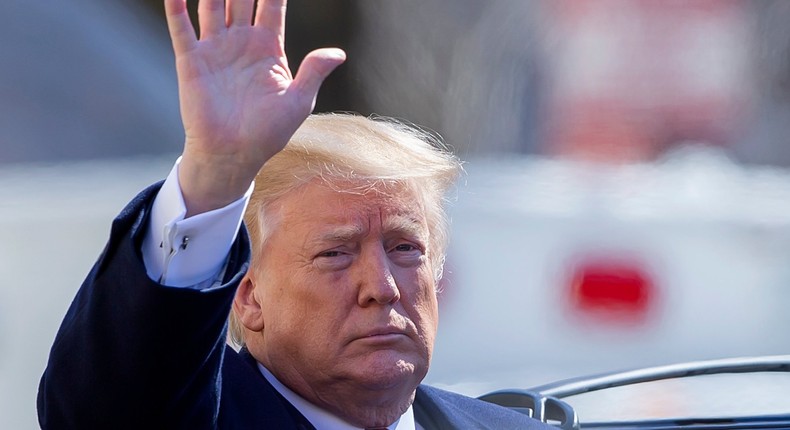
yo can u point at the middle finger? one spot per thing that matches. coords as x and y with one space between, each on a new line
238 12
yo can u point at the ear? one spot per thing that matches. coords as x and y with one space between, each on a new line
246 306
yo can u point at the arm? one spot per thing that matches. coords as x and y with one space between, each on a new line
132 353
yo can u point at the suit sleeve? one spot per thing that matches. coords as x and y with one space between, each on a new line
132 353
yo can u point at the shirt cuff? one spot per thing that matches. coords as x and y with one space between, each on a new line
189 252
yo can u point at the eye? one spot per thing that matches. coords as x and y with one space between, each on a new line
406 254
405 247
333 259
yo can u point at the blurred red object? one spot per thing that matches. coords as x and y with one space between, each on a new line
611 290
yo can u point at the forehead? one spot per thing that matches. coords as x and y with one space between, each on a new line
317 204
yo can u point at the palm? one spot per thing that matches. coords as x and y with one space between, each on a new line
235 93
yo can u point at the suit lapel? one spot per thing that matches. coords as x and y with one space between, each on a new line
299 421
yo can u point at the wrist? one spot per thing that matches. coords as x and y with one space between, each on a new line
213 183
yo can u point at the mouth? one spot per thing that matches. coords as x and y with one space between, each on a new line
383 335
385 332
384 341
378 331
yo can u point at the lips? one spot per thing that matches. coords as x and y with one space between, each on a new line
386 333
393 327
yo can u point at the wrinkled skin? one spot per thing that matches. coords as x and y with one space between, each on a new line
341 306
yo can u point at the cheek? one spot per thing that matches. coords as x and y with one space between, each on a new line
421 282
430 314
418 296
283 300
311 302
304 320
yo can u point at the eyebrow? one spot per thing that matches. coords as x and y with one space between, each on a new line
406 224
340 234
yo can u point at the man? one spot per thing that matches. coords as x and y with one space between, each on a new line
336 304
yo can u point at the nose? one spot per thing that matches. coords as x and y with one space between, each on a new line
375 280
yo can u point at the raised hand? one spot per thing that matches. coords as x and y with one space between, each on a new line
239 102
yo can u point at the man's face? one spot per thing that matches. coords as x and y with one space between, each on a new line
347 290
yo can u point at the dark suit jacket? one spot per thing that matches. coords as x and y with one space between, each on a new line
135 354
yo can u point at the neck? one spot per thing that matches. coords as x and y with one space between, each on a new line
369 415
360 407
377 396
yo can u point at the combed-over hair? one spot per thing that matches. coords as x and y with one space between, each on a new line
375 152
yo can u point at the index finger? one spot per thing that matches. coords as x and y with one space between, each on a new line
271 15
182 34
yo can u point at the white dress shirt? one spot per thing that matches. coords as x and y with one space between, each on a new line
189 252
192 252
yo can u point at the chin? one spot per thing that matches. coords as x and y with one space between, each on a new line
386 371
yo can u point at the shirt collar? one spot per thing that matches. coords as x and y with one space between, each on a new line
323 420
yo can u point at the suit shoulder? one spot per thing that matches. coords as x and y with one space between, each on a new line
448 410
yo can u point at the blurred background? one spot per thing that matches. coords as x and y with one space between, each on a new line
627 196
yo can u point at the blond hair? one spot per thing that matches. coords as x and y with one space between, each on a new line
374 152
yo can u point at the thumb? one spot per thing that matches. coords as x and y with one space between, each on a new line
315 67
